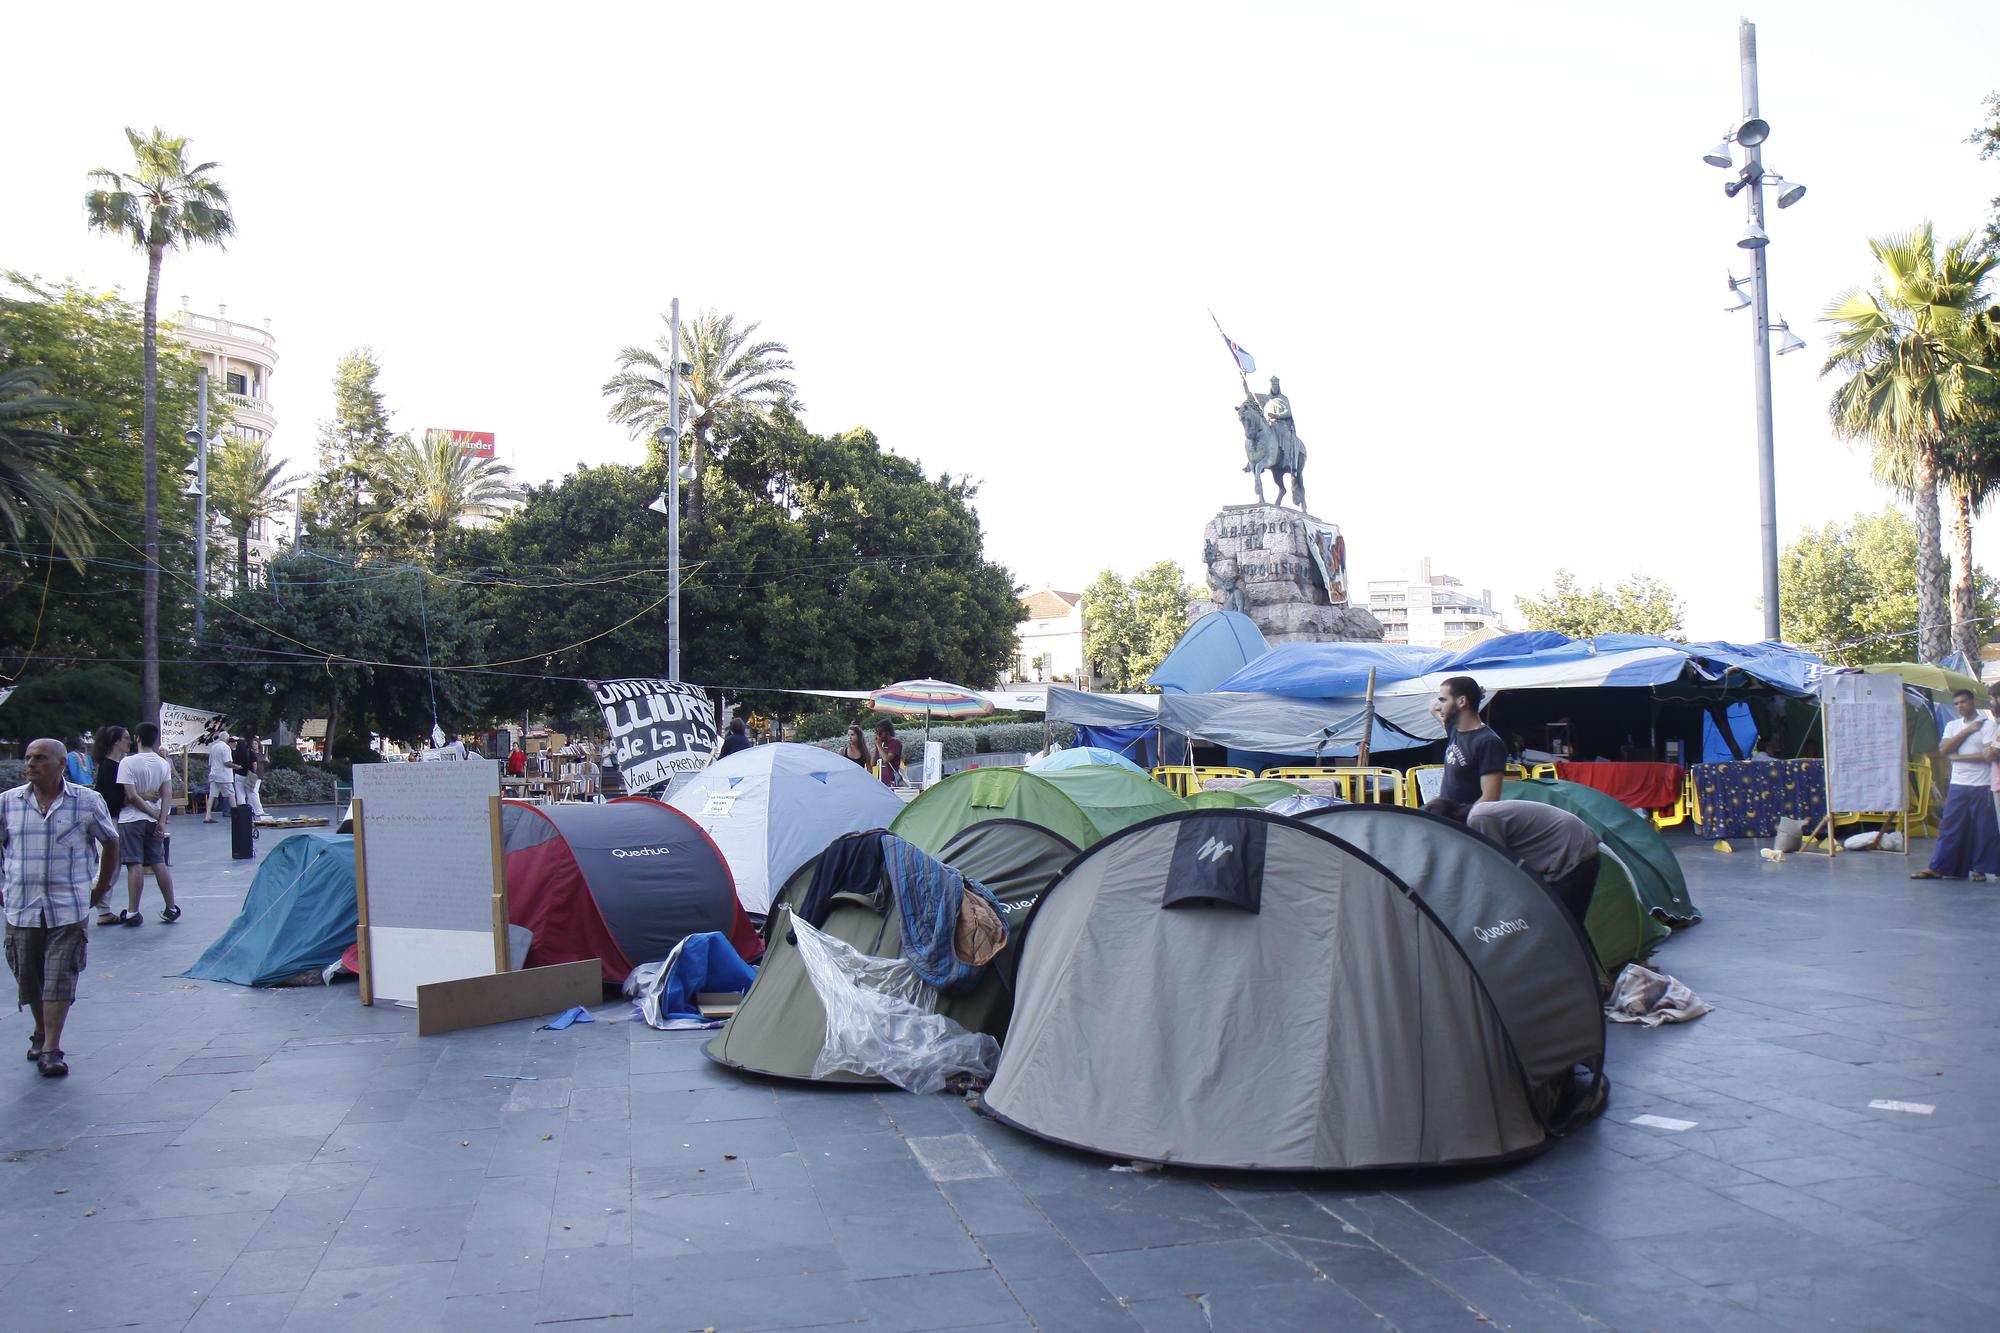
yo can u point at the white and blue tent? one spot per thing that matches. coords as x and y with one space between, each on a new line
772 808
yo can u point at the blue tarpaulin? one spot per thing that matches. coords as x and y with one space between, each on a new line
1213 648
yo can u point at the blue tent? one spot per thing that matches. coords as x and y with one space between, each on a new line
1078 756
1214 648
298 916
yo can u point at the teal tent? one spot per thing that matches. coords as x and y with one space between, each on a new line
1655 872
298 916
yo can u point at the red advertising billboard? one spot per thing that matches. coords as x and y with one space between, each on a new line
473 443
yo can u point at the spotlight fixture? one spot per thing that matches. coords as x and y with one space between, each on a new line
1736 286
1718 156
1789 192
1787 340
1753 238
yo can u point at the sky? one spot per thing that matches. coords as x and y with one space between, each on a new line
1477 242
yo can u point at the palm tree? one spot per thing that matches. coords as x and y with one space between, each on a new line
245 488
32 449
434 482
726 370
1969 470
164 203
1910 349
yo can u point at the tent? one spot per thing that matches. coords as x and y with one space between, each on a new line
298 916
1079 756
814 794
1082 804
781 1025
1215 647
1257 793
1349 1021
1127 724
1616 926
1656 874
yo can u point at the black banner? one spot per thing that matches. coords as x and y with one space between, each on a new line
659 728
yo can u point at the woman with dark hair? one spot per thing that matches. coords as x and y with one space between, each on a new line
890 751
857 748
112 744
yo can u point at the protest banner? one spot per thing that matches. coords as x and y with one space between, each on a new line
659 728
182 728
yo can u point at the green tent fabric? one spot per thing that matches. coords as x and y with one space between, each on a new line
781 1026
1257 795
1080 804
1621 930
1656 874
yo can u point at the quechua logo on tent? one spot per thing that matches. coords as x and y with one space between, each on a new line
621 853
1500 930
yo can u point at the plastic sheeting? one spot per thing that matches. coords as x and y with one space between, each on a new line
881 1019
1102 710
1215 647
1272 724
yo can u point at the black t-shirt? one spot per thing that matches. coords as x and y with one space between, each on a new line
1468 757
246 762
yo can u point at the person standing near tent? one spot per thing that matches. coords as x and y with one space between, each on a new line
736 738
148 780
1968 843
1548 842
889 754
112 744
81 766
248 761
857 749
221 782
1475 758
49 880
517 762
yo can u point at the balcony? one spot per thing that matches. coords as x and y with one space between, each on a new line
216 327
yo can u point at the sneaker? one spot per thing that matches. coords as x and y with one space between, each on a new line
172 914
131 919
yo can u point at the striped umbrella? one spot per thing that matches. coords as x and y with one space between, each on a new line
929 698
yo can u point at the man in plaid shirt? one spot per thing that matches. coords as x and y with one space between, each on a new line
46 829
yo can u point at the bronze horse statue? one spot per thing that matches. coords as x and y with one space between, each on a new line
1269 451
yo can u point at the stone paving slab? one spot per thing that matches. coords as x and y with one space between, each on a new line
227 1159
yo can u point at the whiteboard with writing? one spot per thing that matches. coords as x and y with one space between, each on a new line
1867 758
427 847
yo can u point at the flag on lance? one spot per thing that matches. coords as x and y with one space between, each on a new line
659 728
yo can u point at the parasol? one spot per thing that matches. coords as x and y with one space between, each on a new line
929 699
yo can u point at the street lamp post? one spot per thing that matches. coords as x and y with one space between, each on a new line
674 495
1749 134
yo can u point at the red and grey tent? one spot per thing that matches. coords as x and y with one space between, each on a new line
621 882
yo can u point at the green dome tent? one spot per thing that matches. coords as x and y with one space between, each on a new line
1080 804
1655 873
1256 795
781 1025
1621 929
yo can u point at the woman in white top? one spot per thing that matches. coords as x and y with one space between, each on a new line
1968 843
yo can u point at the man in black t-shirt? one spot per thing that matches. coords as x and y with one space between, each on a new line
1475 758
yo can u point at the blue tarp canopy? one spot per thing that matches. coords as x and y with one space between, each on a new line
1213 648
298 916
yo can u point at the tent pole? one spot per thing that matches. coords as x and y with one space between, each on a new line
1362 755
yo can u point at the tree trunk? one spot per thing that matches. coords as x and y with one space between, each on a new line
242 560
1966 634
694 487
149 614
1933 624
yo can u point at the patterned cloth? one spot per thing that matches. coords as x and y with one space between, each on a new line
45 963
1746 799
48 863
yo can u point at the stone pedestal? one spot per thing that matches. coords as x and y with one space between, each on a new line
1287 571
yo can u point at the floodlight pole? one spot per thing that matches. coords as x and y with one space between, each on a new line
200 501
674 494
1760 297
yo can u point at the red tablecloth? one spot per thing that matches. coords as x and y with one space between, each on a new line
1641 786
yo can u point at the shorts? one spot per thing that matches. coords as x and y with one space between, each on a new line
45 961
140 843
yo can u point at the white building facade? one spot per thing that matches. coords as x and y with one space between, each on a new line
1049 643
1429 610
241 359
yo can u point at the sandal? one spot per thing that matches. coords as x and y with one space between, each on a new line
131 919
34 1047
1926 874
172 914
53 1065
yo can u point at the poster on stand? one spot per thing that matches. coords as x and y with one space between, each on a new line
183 728
660 729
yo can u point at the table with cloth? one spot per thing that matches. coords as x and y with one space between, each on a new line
1746 799
1642 786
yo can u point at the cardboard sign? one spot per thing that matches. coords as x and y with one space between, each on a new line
660 729
718 804
430 882
933 763
1867 757
182 728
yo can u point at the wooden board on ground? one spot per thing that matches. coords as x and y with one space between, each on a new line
470 1002
292 821
719 1004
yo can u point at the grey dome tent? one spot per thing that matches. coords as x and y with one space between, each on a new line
781 1025
1234 989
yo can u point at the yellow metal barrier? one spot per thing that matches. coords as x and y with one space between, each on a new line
1518 772
1183 780
1542 771
1371 784
1413 787
1679 814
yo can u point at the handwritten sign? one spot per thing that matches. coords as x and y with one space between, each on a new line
1867 761
659 728
181 727
426 841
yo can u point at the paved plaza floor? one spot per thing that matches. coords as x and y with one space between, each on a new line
222 1158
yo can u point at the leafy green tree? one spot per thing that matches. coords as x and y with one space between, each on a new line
164 203
1639 604
1987 138
245 488
66 704
1909 351
1130 627
728 369
428 485
32 444
343 506
1849 591
89 349
322 637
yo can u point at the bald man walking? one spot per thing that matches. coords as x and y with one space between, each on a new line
47 872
